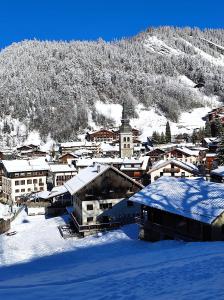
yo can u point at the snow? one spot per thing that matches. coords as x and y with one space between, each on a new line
61 168
37 263
196 199
25 165
84 177
156 45
150 120
5 211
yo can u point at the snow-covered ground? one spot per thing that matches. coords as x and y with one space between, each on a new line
37 263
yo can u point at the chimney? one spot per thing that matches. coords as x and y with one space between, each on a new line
98 168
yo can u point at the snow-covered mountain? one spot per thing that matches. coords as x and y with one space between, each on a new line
61 88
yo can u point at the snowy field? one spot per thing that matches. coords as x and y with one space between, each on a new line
37 263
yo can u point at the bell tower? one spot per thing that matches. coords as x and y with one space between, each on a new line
126 146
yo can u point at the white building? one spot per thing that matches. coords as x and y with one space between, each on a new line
174 168
60 173
22 177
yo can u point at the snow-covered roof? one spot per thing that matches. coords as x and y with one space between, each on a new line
184 165
88 174
60 168
188 151
84 177
108 160
78 144
219 171
56 191
196 199
15 165
105 147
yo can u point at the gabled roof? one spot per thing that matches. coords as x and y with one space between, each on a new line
219 171
15 165
89 174
195 199
188 151
58 168
183 165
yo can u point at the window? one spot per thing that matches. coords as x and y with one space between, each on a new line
89 219
17 182
182 174
89 207
40 180
22 174
128 139
29 181
41 188
22 182
35 181
35 189
105 205
17 191
124 145
124 139
29 190
161 174
130 203
16 174
22 190
128 145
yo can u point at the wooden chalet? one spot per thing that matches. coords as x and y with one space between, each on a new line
172 168
103 135
183 154
67 157
183 209
100 198
156 154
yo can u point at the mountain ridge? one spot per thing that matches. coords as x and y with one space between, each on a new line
52 87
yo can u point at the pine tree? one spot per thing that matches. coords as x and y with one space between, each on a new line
218 127
194 137
220 151
168 132
162 138
207 129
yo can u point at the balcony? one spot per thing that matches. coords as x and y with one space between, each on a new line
94 227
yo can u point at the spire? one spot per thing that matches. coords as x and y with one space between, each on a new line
124 112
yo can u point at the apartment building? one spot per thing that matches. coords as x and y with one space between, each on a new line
21 177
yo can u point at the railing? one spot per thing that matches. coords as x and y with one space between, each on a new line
100 226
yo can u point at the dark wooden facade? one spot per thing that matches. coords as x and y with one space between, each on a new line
158 225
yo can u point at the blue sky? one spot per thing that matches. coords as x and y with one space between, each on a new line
108 19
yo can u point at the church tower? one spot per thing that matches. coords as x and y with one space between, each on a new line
126 146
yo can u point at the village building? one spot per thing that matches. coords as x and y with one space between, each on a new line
156 154
217 175
32 153
66 158
172 168
100 198
211 143
70 147
183 154
21 177
125 136
210 161
135 168
60 173
183 209
102 135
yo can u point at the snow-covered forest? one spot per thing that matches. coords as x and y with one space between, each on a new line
53 86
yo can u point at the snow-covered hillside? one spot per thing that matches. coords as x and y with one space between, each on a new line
150 120
37 263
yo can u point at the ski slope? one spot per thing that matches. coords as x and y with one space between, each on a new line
37 263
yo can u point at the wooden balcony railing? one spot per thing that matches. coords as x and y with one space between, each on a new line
97 227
